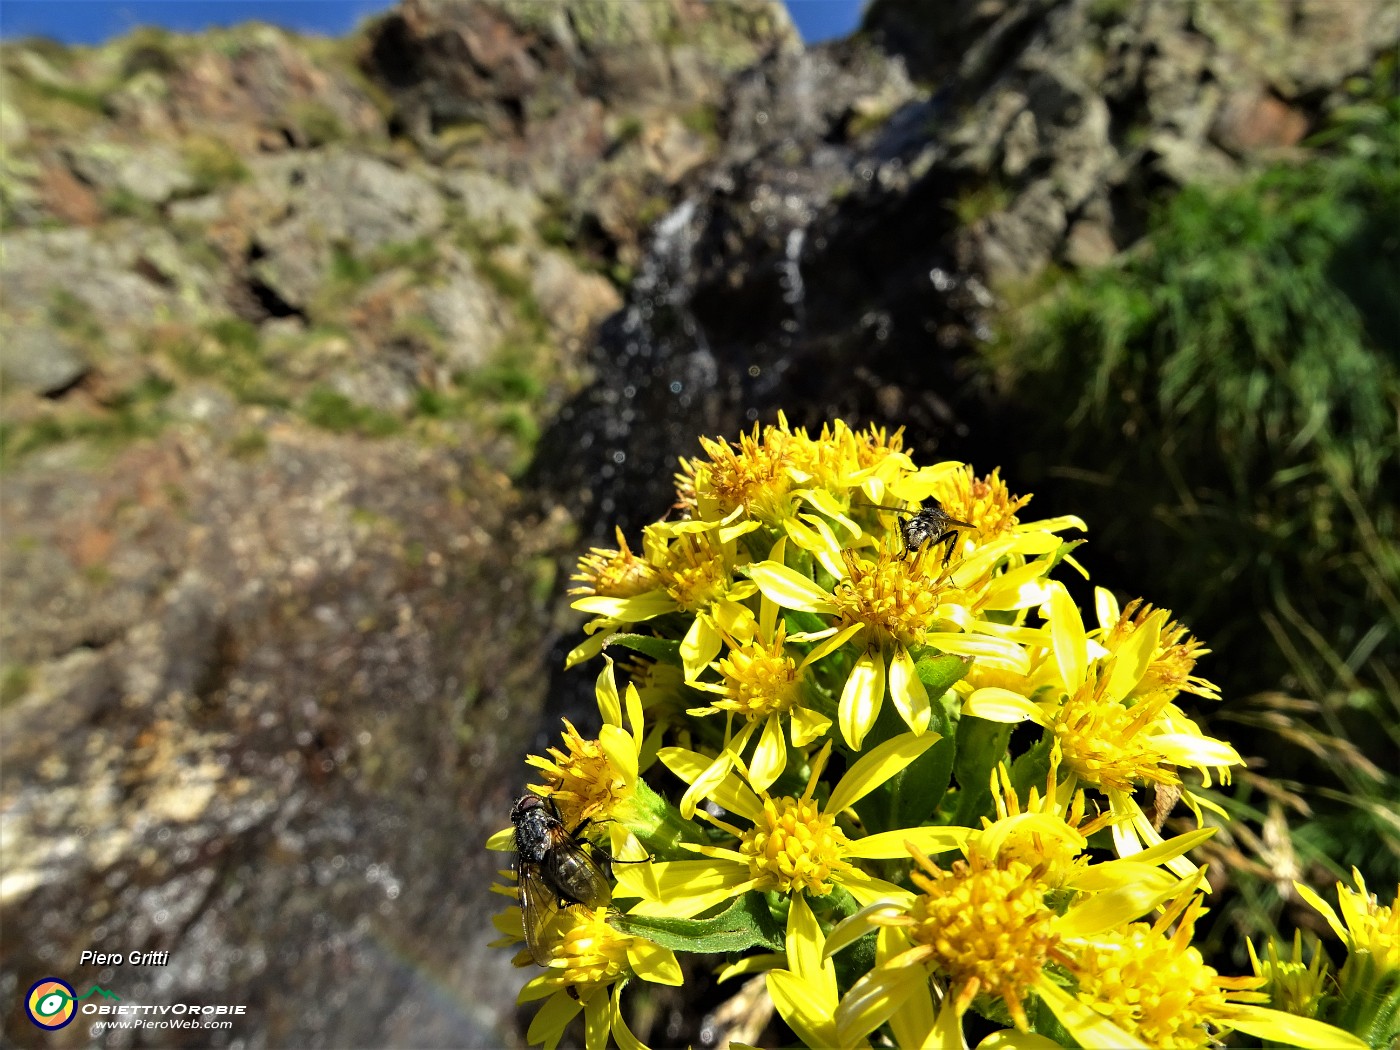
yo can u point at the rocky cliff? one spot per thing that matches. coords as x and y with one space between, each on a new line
321 357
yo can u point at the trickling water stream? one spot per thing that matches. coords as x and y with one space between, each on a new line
794 275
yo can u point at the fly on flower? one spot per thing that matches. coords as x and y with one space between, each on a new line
929 524
554 868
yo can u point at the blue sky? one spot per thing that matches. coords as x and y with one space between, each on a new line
93 21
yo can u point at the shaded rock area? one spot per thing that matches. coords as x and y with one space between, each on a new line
322 357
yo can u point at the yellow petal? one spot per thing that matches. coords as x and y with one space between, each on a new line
707 780
807 725
1310 895
1022 588
1122 904
867 889
1111 874
729 792
628 610
634 713
597 1018
1134 655
621 750
1106 608
622 1035
587 649
946 1033
770 757
683 888
653 963
853 928
502 841
992 652
790 589
861 698
735 619
609 703
1010 1039
801 1007
1090 1029
547 1026
912 1022
1275 1026
814 535
1186 749
876 996
1067 628
831 643
826 504
876 766
1002 705
894 845
908 692
700 645
804 950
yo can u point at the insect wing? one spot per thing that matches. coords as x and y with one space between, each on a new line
576 875
539 904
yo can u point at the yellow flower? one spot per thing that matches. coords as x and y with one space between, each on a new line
1293 986
1050 833
614 573
1151 985
596 779
805 992
762 683
792 845
592 961
695 565
1109 738
752 474
1368 985
985 927
1174 657
887 606
1365 924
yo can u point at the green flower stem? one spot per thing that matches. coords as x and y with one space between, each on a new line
659 825
1370 1003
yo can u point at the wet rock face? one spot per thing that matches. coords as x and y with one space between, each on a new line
807 270
255 736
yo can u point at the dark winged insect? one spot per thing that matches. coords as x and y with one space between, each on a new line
554 868
929 524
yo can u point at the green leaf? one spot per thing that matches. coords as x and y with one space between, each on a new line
803 622
663 650
940 673
747 923
917 789
1030 770
981 745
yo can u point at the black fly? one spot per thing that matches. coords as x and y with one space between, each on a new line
554 868
929 524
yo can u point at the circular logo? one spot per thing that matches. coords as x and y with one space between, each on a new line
50 1003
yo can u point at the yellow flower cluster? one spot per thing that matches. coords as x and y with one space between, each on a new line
827 652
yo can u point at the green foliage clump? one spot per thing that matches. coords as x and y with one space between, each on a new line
332 410
212 164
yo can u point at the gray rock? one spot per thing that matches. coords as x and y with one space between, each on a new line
317 201
153 172
492 205
40 359
467 311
